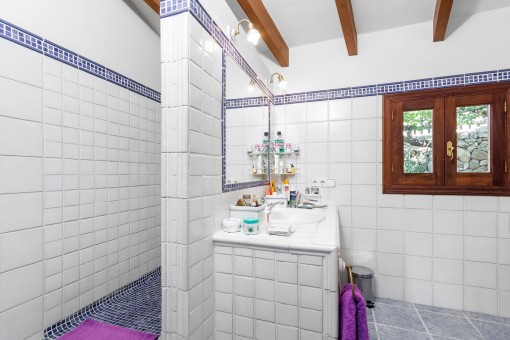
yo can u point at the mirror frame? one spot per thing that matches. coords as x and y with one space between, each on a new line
268 101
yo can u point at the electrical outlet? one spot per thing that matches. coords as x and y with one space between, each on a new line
319 182
323 182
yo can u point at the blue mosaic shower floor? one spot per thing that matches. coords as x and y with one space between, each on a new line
136 306
399 320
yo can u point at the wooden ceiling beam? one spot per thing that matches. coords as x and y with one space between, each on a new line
259 16
441 17
348 26
154 4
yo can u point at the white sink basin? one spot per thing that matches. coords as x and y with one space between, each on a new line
296 216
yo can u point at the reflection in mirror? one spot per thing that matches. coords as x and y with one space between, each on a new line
246 123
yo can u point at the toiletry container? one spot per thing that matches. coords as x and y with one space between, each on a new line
251 226
247 212
232 225
277 198
292 199
279 143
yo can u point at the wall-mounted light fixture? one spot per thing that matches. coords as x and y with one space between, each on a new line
252 35
251 86
282 84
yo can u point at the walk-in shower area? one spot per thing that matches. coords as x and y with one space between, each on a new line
80 171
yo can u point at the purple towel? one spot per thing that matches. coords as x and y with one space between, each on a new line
96 330
353 315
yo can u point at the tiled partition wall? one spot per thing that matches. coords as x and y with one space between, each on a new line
193 205
449 251
191 173
79 189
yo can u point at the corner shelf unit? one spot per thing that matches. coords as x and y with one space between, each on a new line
288 157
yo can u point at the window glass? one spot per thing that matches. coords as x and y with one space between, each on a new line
473 138
418 141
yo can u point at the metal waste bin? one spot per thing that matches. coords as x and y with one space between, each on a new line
364 279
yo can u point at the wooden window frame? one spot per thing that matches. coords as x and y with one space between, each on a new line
445 180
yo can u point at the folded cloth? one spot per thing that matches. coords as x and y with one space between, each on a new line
280 230
96 330
353 315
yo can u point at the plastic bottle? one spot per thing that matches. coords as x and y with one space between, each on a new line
286 189
292 200
265 142
279 143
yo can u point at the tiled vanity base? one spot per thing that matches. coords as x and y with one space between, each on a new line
274 295
136 306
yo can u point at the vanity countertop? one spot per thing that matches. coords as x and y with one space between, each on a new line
314 238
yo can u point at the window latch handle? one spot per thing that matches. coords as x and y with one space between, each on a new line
449 149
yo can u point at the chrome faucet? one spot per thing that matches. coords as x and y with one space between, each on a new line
269 208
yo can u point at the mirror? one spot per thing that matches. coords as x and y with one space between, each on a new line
246 119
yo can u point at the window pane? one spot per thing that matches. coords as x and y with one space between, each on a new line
473 140
418 141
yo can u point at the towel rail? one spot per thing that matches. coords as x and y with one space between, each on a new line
349 268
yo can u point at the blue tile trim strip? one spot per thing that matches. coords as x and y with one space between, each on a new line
397 87
24 38
223 122
246 102
173 7
126 297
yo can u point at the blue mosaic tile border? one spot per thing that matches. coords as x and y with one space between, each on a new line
246 102
396 87
24 38
95 308
173 7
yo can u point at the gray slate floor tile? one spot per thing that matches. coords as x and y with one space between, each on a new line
449 326
434 309
398 317
370 316
394 302
390 333
372 331
487 317
492 331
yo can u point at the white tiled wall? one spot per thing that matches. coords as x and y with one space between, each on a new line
269 295
448 251
79 189
193 205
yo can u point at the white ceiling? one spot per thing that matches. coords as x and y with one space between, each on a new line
146 13
304 22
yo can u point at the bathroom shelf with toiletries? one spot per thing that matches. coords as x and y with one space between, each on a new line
273 158
274 173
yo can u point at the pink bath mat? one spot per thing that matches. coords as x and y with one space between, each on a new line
97 330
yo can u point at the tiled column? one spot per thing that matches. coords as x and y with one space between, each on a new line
191 175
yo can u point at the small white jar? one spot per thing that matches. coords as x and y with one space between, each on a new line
232 225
